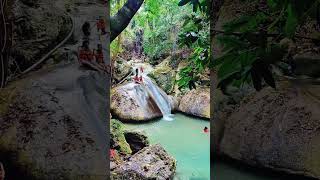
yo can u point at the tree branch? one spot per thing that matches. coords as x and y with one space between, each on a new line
123 17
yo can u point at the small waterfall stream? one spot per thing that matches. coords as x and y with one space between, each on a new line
160 98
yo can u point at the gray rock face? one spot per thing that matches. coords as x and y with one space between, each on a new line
196 102
132 102
277 129
38 25
56 124
152 162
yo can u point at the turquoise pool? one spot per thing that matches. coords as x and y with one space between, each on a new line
184 139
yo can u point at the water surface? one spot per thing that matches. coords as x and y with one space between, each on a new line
184 139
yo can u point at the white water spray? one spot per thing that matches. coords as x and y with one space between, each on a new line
160 98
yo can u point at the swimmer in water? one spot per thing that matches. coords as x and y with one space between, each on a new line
206 130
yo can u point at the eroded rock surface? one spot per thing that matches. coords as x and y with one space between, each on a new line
196 102
278 129
152 162
55 124
132 102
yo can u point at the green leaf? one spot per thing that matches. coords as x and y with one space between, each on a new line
228 68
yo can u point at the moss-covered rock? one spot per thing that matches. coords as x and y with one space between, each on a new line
164 75
117 138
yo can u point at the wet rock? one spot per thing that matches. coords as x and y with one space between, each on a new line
131 102
137 141
174 102
196 103
54 124
277 129
152 162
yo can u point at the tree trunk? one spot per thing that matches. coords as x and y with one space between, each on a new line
121 20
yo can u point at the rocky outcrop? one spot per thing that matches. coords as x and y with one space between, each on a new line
54 124
131 102
152 162
121 69
117 137
196 103
37 27
277 129
164 75
137 141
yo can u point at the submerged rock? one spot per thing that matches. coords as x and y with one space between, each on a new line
152 162
196 103
137 141
277 129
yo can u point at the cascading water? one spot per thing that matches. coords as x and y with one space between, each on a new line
160 98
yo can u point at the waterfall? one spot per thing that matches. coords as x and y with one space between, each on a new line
160 98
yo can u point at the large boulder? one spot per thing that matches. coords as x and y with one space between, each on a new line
277 129
152 162
196 102
132 102
53 124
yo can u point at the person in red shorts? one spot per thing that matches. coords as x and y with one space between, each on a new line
88 59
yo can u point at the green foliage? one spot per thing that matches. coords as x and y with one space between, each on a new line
195 35
251 42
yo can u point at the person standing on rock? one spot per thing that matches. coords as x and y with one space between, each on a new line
86 58
136 78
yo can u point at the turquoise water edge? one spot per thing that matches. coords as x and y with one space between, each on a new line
184 139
